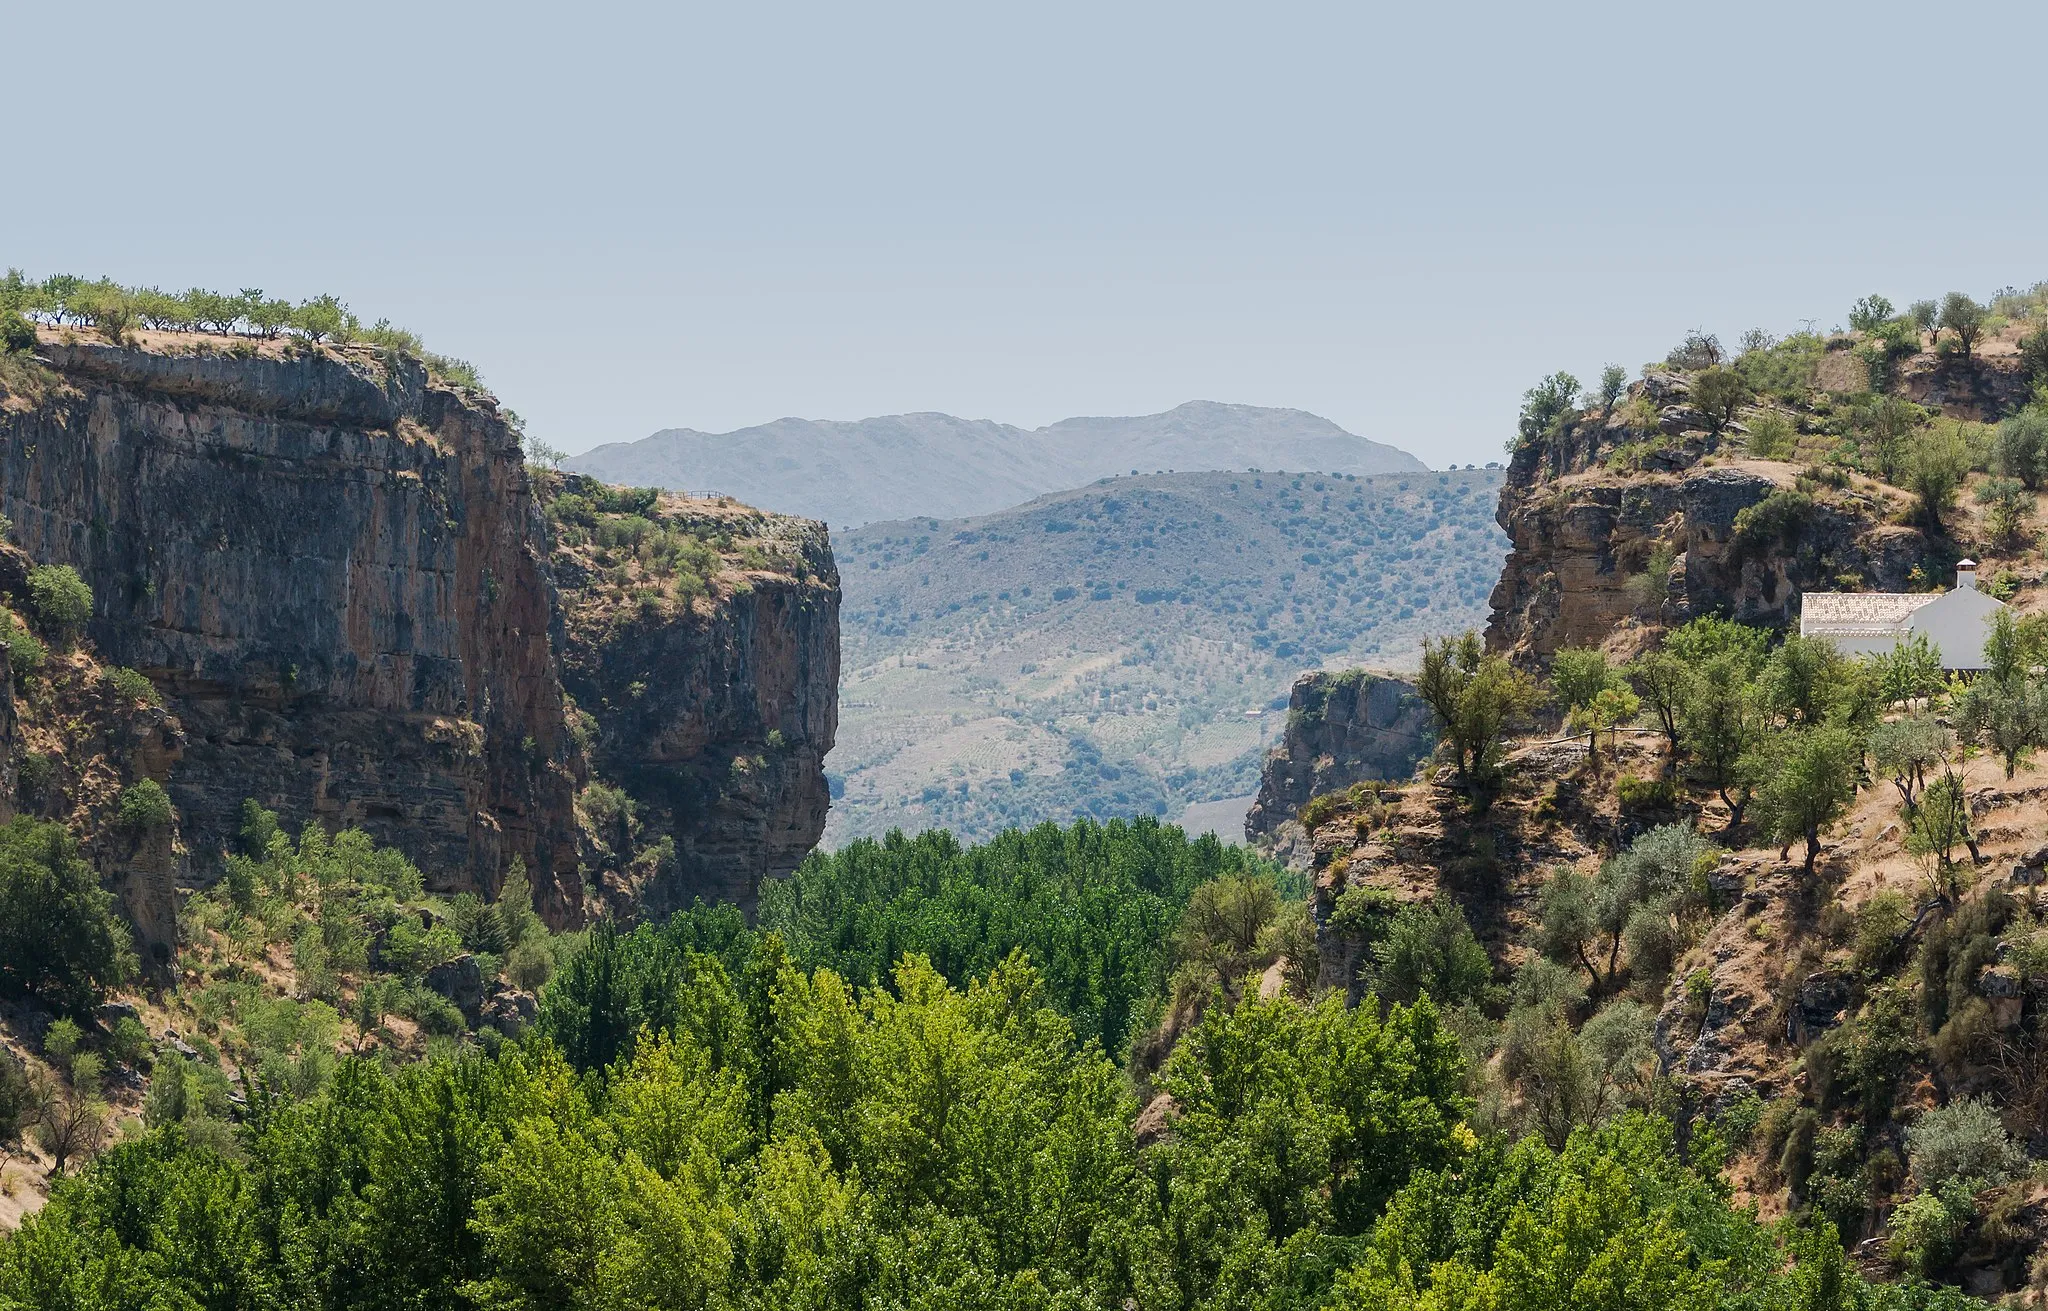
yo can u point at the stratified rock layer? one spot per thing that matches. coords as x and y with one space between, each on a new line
333 565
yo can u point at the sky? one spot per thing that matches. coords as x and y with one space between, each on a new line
633 217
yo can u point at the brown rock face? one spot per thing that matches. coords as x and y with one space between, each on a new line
716 724
1586 541
1342 728
334 567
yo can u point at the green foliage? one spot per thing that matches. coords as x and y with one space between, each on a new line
25 651
1938 461
1093 906
17 334
1771 435
2008 505
145 805
1717 394
1613 381
1784 369
1909 671
1964 318
1772 522
1881 923
1545 406
1906 750
1579 674
60 940
134 686
1962 1142
1807 780
61 1040
62 601
2007 714
1477 699
2020 449
1430 951
1928 1228
1869 313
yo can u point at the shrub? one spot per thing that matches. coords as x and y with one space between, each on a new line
1963 1141
1429 948
25 651
134 685
1717 393
145 805
1547 405
2020 449
1772 521
128 1041
1646 793
1699 350
1771 436
62 601
1880 922
60 1042
530 965
1928 1230
17 335
1964 317
1578 675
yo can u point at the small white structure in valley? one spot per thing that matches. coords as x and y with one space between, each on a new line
1955 622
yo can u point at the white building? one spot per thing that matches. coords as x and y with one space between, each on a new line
1955 623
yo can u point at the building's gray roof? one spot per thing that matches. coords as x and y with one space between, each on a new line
1859 614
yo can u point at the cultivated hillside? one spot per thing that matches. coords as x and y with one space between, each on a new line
1122 648
851 473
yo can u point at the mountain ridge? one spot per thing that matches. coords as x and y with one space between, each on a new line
931 464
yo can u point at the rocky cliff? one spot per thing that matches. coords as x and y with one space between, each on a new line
702 640
1342 728
1626 521
332 563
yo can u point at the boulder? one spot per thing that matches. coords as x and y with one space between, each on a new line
509 1010
1822 999
461 981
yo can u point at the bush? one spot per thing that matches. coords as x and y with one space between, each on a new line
1772 435
146 805
17 335
2020 450
1430 949
1880 923
1646 793
128 1041
60 1043
60 941
1928 1230
62 601
134 685
1717 393
1962 1142
530 965
25 651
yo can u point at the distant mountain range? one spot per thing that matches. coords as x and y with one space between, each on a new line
1118 649
905 465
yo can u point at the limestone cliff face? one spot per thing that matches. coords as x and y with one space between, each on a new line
334 567
1342 728
713 714
1602 555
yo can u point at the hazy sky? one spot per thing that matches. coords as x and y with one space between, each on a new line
634 217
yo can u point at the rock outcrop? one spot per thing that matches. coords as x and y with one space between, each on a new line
332 563
1603 554
1342 728
714 715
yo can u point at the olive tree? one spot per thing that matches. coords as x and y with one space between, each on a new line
1477 699
1964 317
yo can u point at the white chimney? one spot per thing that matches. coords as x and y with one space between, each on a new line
1966 574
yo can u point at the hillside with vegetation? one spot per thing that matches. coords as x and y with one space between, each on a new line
1124 648
1701 967
1679 859
902 465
